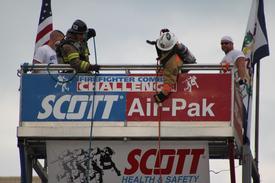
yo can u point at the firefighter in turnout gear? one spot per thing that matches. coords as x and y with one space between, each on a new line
74 50
172 55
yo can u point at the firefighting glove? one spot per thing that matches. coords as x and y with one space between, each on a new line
94 68
151 42
90 33
160 97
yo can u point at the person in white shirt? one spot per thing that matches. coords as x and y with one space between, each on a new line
46 54
235 57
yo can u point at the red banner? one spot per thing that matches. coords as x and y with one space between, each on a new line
197 97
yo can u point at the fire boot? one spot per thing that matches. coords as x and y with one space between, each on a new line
160 97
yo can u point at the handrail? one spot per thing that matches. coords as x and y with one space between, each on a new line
119 67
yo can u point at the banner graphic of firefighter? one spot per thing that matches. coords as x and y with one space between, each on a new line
128 162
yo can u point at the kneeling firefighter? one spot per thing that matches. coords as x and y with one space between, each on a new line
172 55
74 50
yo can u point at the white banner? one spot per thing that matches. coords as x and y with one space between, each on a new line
128 162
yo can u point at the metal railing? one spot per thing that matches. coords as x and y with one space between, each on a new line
27 68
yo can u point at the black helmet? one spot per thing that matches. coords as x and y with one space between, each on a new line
78 27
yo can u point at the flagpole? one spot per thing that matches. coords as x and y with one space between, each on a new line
257 114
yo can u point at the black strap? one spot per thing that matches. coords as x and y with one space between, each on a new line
164 60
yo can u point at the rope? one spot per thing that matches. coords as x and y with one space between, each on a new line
91 131
92 119
159 125
224 170
95 50
56 79
159 145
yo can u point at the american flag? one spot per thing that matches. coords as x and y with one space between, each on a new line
45 25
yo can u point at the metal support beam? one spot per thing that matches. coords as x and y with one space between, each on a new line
28 164
247 164
40 171
231 155
22 161
255 172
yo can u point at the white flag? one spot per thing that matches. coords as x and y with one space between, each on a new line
255 47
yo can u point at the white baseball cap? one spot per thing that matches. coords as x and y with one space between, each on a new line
227 38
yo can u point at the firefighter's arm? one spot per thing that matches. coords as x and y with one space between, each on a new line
72 57
242 70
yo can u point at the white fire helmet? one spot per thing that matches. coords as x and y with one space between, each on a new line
167 41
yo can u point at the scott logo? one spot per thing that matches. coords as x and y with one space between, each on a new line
76 107
138 160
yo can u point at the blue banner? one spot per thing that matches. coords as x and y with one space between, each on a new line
68 97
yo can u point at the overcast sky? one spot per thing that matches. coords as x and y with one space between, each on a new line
122 27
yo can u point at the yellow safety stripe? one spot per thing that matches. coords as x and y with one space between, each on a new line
73 56
84 65
86 52
66 60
